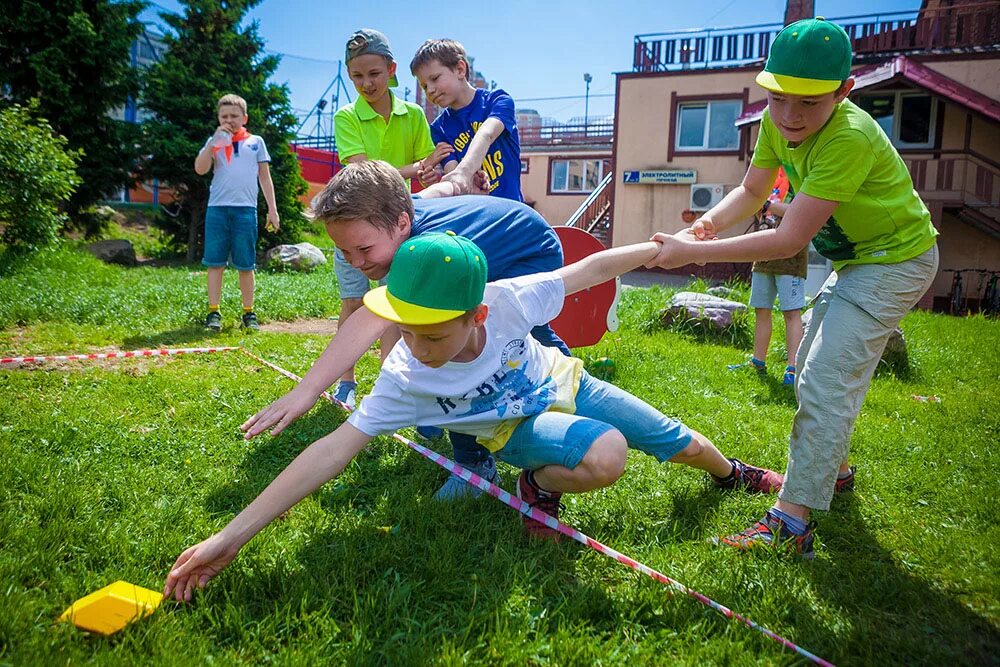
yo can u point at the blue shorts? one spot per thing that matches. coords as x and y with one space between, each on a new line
231 237
563 439
790 290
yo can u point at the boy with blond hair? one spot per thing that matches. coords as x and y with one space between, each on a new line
479 124
377 126
239 161
466 362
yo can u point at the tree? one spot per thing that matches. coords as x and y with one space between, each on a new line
211 55
36 175
73 56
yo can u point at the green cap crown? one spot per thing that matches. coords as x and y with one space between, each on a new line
368 41
433 278
808 57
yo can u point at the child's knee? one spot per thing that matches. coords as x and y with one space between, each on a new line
695 448
606 457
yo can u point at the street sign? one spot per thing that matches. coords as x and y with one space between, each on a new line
660 176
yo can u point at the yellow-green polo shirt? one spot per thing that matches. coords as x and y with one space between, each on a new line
402 141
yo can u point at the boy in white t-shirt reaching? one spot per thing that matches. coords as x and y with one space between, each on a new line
466 362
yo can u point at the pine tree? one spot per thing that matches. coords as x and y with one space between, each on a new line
209 55
73 57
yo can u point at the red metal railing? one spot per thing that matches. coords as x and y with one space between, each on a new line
965 27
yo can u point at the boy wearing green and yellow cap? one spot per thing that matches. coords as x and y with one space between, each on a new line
467 362
855 201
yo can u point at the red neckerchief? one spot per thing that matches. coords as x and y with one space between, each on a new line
238 135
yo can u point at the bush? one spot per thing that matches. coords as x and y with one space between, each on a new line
37 174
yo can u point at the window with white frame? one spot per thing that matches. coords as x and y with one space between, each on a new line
708 126
908 118
581 175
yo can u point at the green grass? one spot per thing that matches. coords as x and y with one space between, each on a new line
112 468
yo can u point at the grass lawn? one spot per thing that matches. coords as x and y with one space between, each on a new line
110 469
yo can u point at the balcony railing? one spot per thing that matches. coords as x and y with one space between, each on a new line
595 132
962 28
958 177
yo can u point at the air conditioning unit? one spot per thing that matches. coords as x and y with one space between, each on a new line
706 195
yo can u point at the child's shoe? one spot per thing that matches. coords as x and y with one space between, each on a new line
345 393
845 484
771 532
752 362
430 433
750 478
455 487
542 501
213 322
250 321
789 378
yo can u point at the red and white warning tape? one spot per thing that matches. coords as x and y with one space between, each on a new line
116 355
569 531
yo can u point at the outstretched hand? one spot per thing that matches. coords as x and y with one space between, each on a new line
197 566
675 250
279 414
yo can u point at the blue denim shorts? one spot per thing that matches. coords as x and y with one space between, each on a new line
231 237
557 438
351 282
790 290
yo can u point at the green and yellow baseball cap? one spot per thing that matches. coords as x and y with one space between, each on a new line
433 278
368 41
808 57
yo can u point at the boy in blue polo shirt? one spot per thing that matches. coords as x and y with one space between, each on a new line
855 200
238 160
479 124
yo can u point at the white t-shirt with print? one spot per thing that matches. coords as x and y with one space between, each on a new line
234 181
514 377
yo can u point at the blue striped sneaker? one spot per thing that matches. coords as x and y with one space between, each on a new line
771 532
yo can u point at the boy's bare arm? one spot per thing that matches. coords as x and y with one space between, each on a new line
203 161
476 153
738 205
605 265
267 187
320 462
352 340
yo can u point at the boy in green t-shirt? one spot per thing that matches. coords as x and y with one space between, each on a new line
378 126
855 200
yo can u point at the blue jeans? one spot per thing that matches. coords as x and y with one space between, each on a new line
468 452
557 438
231 234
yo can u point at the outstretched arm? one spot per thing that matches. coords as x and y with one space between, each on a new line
352 340
605 265
463 174
320 462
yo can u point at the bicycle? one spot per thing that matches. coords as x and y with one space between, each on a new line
955 296
990 305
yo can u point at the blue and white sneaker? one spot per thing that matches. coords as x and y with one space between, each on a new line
346 393
455 487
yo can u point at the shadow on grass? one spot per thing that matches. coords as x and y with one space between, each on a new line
182 335
901 618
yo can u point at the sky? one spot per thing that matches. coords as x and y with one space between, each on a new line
533 50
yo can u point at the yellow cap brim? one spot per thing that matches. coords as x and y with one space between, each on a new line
388 307
793 85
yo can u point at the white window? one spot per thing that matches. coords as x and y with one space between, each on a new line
908 118
708 126
576 176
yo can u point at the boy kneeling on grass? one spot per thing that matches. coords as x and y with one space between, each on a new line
466 362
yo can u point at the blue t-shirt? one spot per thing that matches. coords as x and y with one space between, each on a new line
503 159
514 237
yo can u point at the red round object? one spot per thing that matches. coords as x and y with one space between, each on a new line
584 317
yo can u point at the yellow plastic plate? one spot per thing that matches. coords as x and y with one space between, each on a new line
112 608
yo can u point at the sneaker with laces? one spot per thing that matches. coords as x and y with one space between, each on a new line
548 503
455 488
789 378
750 478
250 321
845 484
213 321
345 393
771 532
430 433
753 362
